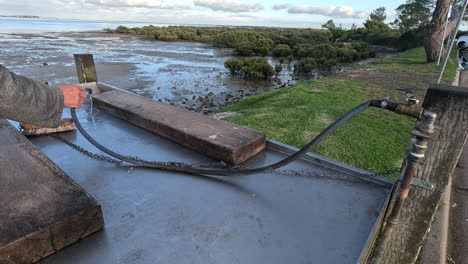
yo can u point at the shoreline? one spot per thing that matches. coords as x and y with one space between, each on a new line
169 72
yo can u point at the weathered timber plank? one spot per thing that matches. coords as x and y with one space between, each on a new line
41 209
85 68
451 105
215 138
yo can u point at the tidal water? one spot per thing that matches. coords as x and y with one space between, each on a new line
187 74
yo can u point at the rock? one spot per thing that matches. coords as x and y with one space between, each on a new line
220 116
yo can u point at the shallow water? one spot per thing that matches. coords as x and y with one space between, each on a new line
37 26
187 74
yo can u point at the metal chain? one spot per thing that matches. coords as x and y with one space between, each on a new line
220 164
86 152
386 172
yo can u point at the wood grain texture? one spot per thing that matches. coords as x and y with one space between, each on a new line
42 210
217 139
85 68
450 103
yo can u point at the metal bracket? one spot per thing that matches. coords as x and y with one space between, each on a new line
422 184
419 183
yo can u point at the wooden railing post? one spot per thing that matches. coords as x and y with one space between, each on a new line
85 68
450 104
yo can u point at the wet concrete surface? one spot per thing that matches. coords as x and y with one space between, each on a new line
320 216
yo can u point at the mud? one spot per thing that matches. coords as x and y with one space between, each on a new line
187 74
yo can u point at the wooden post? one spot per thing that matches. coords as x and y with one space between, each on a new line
85 68
450 104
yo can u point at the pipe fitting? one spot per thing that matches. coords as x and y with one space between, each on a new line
418 149
427 122
408 110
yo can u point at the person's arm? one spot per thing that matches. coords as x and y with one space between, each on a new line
27 101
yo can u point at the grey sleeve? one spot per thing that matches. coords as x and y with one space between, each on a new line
28 101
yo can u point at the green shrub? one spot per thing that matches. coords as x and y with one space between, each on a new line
250 68
244 49
234 65
122 29
282 50
306 65
278 68
411 39
262 45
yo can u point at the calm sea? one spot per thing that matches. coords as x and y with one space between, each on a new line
35 26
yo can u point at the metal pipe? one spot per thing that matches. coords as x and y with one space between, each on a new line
414 157
452 40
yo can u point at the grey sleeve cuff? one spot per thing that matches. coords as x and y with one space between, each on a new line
56 109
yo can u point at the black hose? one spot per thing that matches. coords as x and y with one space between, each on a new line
187 168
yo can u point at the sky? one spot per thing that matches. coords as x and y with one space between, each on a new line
276 13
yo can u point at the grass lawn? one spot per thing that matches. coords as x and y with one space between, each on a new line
375 140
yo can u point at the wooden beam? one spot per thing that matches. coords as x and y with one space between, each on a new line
85 68
450 104
215 138
42 210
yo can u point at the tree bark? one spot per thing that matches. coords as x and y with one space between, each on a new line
449 103
434 38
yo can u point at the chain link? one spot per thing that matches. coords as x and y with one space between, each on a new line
86 152
220 164
386 172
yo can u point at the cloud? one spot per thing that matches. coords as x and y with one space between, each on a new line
154 4
281 6
228 6
331 11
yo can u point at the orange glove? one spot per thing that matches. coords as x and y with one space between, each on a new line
73 95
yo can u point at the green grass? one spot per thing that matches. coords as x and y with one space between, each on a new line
374 140
414 61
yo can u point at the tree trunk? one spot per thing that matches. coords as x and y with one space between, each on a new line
434 37
406 240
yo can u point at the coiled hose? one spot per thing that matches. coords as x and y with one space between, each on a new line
187 168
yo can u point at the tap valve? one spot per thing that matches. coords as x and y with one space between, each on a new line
410 98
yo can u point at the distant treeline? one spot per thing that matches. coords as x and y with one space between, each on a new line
21 16
314 49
